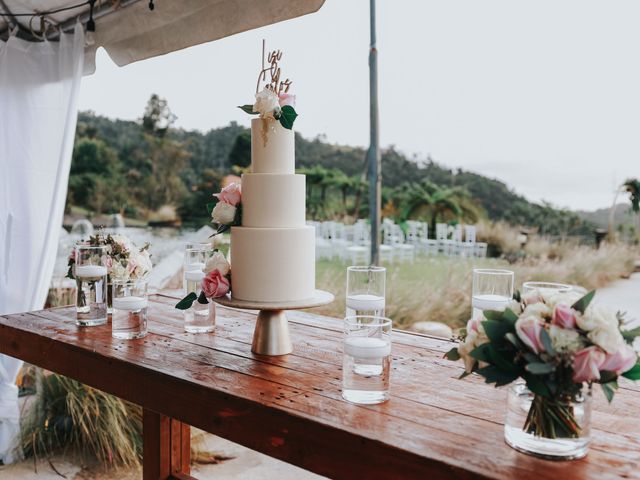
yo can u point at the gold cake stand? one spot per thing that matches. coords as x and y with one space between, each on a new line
271 335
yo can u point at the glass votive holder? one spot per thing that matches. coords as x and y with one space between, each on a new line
91 282
130 305
366 359
195 259
492 289
544 288
199 318
365 290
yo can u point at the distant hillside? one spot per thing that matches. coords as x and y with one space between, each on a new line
141 171
623 216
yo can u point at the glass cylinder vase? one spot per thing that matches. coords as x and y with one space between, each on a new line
551 428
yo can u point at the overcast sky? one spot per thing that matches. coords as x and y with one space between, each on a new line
543 95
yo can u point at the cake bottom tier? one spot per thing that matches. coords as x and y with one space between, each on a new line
273 264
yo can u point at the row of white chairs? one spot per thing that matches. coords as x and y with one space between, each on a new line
337 240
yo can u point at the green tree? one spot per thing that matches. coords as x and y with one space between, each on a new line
157 117
240 154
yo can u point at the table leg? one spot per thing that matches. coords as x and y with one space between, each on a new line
166 448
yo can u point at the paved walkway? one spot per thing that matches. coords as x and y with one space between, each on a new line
623 295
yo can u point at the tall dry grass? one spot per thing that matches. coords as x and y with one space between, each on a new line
439 288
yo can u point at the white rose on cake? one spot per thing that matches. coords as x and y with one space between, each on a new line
217 262
223 213
267 103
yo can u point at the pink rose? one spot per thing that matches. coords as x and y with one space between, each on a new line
474 324
564 316
230 194
532 298
214 284
586 364
528 330
287 99
620 361
107 261
131 265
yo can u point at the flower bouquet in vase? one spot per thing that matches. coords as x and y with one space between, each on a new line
123 259
552 348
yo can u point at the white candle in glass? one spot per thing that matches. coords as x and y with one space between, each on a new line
365 301
194 266
367 348
490 302
194 275
90 271
129 304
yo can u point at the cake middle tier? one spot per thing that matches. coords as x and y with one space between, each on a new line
273 200
273 264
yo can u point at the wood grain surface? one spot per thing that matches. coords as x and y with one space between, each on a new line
435 426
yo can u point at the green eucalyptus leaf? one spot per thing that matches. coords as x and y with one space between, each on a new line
634 373
609 389
202 299
501 362
247 109
582 304
186 302
536 385
539 368
606 376
630 335
287 116
494 315
493 374
481 353
510 317
496 330
546 342
453 354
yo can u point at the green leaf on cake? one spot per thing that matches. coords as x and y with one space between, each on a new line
186 302
247 109
288 116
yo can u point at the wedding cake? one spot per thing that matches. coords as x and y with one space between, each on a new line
273 251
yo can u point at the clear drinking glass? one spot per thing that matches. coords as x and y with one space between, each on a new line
365 290
492 289
545 288
91 282
199 318
366 359
129 318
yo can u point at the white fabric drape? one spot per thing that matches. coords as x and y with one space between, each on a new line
39 86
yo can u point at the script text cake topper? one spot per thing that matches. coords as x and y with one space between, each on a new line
274 71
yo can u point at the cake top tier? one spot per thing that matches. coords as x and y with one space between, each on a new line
272 147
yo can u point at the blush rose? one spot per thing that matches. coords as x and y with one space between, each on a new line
587 363
215 285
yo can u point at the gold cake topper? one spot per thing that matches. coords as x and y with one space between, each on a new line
273 69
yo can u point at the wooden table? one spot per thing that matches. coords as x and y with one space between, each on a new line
290 408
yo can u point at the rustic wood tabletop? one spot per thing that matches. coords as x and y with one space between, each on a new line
289 407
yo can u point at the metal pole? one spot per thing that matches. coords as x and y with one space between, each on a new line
373 154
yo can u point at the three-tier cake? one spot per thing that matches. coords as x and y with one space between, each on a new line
273 251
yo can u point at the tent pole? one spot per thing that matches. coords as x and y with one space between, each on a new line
373 154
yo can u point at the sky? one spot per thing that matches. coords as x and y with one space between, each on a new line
543 95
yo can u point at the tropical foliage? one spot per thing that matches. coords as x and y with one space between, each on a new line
137 167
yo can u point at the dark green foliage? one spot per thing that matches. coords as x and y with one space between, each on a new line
240 154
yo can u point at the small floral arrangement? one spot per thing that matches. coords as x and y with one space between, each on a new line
124 260
273 102
271 105
227 211
215 283
556 343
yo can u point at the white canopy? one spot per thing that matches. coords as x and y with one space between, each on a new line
130 31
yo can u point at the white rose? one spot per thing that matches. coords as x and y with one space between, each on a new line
267 103
223 213
538 310
465 348
607 338
118 271
597 316
515 307
217 262
566 298
564 339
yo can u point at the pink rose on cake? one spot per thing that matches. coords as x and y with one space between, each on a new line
230 194
287 99
215 285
